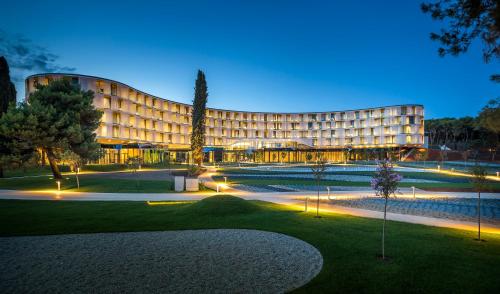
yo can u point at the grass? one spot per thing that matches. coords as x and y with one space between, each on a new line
89 183
45 170
464 186
422 259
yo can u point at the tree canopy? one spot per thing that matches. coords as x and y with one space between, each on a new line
466 21
59 117
489 117
7 88
7 98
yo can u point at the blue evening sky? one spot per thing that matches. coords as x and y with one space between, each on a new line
262 55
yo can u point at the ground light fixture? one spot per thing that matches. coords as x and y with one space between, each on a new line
225 180
413 189
58 185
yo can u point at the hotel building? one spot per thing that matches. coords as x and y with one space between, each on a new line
137 123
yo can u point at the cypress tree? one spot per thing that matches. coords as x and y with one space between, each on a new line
7 96
7 88
198 118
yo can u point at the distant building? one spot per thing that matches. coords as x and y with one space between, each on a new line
137 123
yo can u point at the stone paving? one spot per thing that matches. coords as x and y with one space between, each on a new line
450 208
332 168
329 177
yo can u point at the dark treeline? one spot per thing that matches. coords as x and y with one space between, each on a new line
459 133
474 134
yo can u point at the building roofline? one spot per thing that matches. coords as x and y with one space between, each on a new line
210 108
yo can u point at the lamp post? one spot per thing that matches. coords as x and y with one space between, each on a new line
413 188
58 185
439 168
218 187
225 180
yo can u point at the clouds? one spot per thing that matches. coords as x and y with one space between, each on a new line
25 57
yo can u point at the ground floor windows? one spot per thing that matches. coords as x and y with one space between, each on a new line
117 154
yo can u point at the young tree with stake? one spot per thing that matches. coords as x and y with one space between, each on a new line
318 171
479 182
385 183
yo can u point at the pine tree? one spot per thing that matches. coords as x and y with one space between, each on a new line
199 108
59 117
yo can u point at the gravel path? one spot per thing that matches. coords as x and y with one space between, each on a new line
195 261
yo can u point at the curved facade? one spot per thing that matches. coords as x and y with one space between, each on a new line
137 120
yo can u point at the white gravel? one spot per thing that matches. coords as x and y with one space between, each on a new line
194 261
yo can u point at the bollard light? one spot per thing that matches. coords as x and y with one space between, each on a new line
77 170
58 185
225 180
413 188
218 188
439 167
328 188
498 174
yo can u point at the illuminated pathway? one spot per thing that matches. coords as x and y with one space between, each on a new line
295 199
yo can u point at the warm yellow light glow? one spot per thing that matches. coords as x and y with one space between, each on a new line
153 203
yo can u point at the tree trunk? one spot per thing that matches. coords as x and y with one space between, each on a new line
479 215
383 229
53 164
317 204
77 179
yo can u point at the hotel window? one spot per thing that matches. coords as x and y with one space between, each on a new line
411 120
106 102
310 125
352 124
403 110
74 81
100 87
104 131
115 132
116 118
332 133
35 82
113 89
323 117
119 103
357 114
408 139
332 116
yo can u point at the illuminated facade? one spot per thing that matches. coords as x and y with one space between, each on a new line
137 123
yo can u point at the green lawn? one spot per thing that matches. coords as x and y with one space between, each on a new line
45 170
422 259
284 181
89 183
